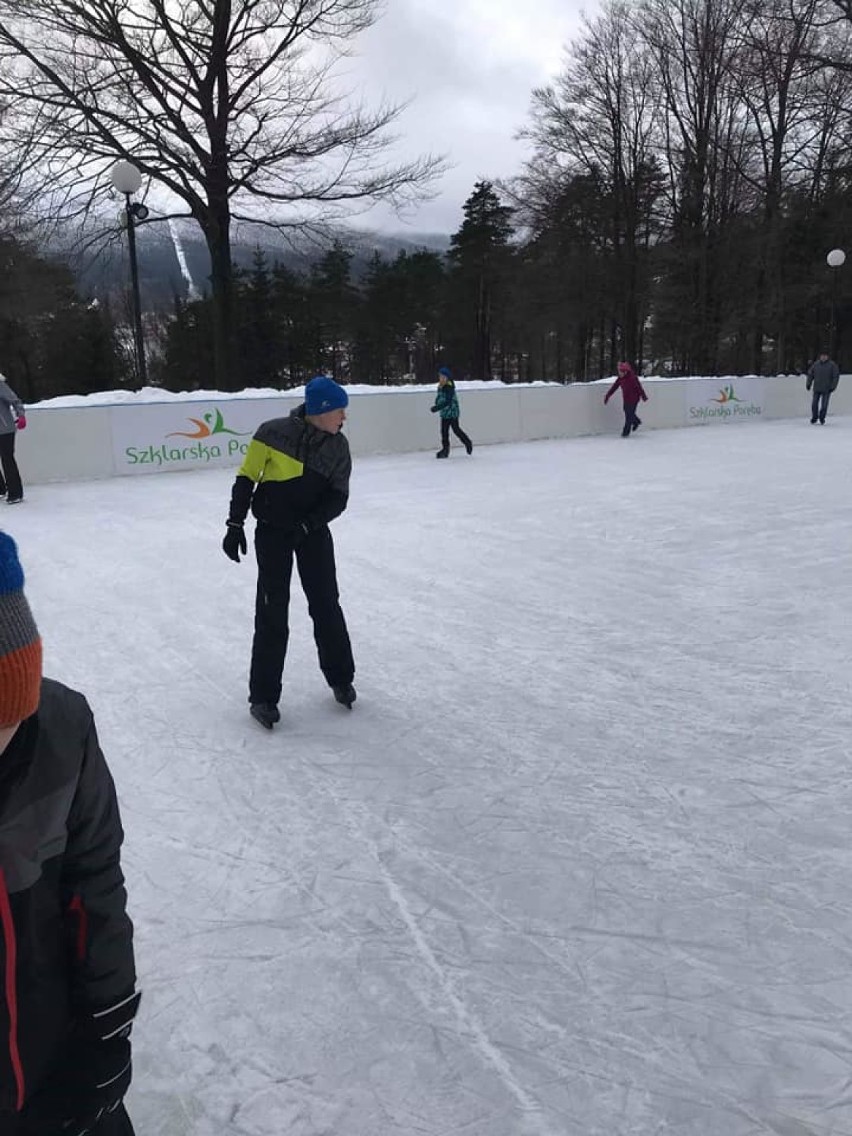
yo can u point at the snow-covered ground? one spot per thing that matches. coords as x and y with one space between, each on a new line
579 863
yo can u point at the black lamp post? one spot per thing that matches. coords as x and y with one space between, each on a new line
127 180
835 261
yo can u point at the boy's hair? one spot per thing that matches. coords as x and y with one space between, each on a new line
20 645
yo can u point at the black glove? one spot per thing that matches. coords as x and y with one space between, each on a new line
299 532
235 541
98 1077
91 1080
433 408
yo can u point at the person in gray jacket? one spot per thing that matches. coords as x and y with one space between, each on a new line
823 376
12 418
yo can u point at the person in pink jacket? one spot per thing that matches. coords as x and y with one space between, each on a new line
631 392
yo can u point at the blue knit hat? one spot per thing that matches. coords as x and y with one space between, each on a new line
446 372
323 394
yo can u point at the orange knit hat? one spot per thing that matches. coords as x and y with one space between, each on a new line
20 645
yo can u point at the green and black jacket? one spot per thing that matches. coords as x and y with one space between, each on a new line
292 474
446 400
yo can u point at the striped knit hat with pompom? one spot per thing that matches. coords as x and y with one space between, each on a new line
20 645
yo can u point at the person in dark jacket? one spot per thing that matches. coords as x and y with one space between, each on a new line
295 479
447 405
823 376
631 392
68 995
12 419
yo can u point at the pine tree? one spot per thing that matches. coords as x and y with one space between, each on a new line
51 341
298 328
481 258
335 300
258 338
377 322
425 284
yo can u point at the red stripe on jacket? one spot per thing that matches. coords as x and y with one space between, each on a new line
76 908
11 987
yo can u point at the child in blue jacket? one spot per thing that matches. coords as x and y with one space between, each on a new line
447 405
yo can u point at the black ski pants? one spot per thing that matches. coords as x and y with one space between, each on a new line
631 421
10 479
448 424
315 563
819 405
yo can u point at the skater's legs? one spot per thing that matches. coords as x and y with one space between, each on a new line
317 571
271 625
823 409
630 419
11 476
460 434
445 435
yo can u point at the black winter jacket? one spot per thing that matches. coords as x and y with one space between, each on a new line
293 474
66 951
824 376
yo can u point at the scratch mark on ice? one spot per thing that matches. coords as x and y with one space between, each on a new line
468 1022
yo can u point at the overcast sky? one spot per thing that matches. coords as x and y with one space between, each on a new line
470 67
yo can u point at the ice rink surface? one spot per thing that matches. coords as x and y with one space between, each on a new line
579 863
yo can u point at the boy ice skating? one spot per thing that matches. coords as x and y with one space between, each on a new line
823 376
631 392
69 996
295 479
447 405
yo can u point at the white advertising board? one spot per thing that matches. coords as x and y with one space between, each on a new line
723 401
160 436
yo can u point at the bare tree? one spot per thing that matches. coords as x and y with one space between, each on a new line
598 119
778 84
844 7
834 24
228 105
694 45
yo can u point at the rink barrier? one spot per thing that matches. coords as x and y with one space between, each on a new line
109 440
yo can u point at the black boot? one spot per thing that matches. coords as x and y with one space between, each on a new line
442 454
345 695
265 713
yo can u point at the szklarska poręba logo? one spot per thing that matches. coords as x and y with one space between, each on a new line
213 423
726 394
210 426
726 406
